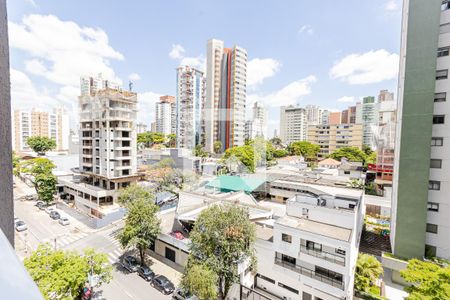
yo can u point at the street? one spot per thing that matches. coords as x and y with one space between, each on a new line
77 236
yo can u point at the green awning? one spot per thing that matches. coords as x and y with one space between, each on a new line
227 183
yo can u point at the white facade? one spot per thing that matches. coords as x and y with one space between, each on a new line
314 114
293 124
141 128
260 119
369 120
163 117
314 247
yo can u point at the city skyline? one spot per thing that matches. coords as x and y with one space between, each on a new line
279 68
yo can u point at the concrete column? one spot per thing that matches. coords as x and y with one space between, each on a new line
6 177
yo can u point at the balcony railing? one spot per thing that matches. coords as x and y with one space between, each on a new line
310 273
340 260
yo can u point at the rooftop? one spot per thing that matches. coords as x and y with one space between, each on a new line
236 183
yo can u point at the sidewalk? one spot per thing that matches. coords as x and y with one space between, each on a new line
163 266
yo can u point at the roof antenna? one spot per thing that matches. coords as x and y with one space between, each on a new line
130 86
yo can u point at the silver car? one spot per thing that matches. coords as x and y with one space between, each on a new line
63 220
21 226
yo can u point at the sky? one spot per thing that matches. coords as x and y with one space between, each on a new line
300 52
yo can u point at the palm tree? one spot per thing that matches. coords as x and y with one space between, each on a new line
368 270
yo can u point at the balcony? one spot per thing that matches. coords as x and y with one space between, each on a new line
337 259
309 273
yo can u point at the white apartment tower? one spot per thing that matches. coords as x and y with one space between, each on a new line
369 120
190 100
314 114
226 93
165 111
293 124
28 123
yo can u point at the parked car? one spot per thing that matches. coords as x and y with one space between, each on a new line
49 209
163 284
64 221
130 263
146 273
55 215
182 294
21 226
29 197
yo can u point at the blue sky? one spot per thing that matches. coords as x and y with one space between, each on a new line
300 51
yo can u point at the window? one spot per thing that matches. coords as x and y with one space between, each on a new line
434 185
444 51
329 273
288 288
438 119
445 5
436 163
313 246
347 172
430 251
432 228
440 97
288 259
437 141
431 206
340 251
286 238
266 278
441 74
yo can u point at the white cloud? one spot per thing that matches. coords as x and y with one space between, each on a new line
62 51
366 68
346 99
392 5
290 94
259 69
177 53
134 77
308 29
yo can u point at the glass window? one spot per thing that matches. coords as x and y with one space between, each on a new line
288 259
286 238
438 119
437 141
313 246
432 228
441 74
436 163
430 251
434 185
444 51
431 206
440 97
288 288
266 278
340 251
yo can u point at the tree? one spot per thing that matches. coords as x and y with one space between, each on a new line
199 151
16 164
171 140
133 192
277 153
306 149
62 274
350 153
149 138
245 154
217 147
428 280
41 144
222 237
142 226
276 141
199 280
368 270
46 186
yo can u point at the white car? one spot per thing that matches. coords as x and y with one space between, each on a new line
63 220
49 209
21 226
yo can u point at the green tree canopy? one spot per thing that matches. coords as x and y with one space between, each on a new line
217 147
306 149
62 274
245 154
351 153
428 280
171 140
368 270
43 180
149 138
37 166
199 151
199 280
16 164
222 237
46 186
142 225
133 192
41 144
276 141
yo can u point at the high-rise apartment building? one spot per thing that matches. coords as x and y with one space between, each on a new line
190 101
293 124
29 123
90 84
385 95
325 117
165 115
226 93
141 128
369 120
352 114
345 117
331 137
313 114
335 118
258 125
420 202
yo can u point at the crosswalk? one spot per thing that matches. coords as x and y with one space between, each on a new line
65 240
114 255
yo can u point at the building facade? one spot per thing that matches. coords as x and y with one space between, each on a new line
141 128
165 115
334 118
421 205
369 120
332 137
314 114
190 101
29 123
293 124
226 94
